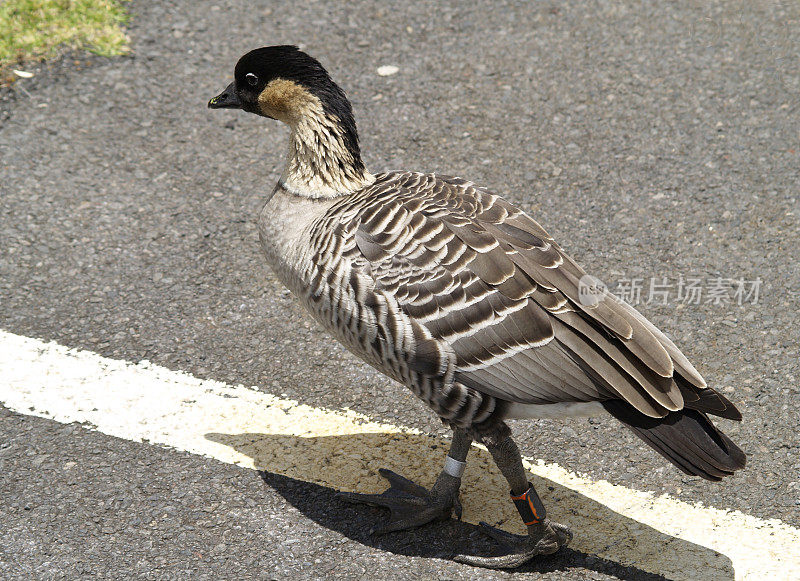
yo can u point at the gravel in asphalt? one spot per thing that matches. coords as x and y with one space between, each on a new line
652 141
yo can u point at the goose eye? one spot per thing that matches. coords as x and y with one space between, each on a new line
251 79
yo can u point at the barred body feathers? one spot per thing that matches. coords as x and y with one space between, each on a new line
456 293
462 297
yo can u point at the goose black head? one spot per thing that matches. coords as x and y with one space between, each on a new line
288 75
284 83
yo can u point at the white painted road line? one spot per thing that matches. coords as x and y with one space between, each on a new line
343 450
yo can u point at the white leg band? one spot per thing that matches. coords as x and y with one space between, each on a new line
453 467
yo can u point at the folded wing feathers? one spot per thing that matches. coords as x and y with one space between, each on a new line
707 400
443 229
679 360
597 364
663 389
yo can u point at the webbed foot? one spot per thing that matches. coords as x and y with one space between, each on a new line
543 539
410 504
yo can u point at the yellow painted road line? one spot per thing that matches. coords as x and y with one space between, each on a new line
343 450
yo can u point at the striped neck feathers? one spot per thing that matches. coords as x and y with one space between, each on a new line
324 159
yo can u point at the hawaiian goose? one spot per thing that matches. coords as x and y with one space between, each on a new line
462 297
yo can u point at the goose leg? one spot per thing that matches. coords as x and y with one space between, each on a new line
412 505
544 536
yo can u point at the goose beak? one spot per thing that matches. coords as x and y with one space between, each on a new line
227 99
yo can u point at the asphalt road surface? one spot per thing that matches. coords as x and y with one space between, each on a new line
653 142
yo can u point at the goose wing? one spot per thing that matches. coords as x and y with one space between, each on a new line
487 281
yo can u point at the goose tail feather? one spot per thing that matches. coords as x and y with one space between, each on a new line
686 438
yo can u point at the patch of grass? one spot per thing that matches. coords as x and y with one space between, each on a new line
39 29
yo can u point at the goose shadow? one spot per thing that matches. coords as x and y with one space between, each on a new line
308 471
